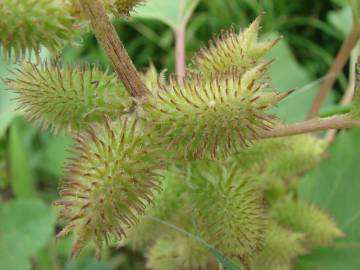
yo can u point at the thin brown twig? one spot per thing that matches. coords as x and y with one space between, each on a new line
108 38
312 125
336 67
347 97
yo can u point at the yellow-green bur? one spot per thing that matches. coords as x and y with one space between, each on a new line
26 25
110 182
67 99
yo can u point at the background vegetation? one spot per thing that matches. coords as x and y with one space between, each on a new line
31 160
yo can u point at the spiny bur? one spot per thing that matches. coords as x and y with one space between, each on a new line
320 229
232 50
120 8
167 205
283 156
228 212
260 153
281 247
212 117
301 154
112 178
178 252
153 78
123 8
278 163
74 8
26 25
67 99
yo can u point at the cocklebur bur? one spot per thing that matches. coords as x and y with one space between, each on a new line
320 229
44 23
218 111
167 205
68 99
228 211
230 50
281 248
211 117
111 180
123 8
178 252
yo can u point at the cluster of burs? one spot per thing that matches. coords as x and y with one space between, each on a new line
189 154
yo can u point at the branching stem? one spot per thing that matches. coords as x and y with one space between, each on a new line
312 125
337 66
108 38
124 67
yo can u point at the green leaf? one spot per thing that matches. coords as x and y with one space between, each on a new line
341 20
286 73
54 155
21 175
172 13
25 227
335 186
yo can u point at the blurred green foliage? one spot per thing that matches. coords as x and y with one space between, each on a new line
31 160
335 187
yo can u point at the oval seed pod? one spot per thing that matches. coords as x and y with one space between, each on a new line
120 8
123 8
301 154
178 252
213 117
167 205
319 228
67 99
281 247
228 211
110 182
26 25
230 50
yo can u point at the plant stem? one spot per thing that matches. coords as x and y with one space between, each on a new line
312 125
125 69
336 67
335 110
180 33
108 38
349 93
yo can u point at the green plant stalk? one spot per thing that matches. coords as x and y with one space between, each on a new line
335 110
340 61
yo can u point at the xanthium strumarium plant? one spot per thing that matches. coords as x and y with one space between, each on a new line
199 152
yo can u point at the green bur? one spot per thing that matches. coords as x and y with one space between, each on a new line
68 99
26 25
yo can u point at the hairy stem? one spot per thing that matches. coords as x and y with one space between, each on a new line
312 125
108 38
180 33
336 67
